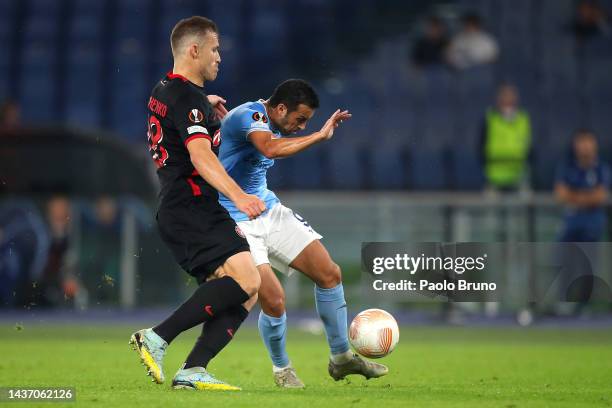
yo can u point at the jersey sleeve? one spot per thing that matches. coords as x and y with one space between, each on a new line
252 120
191 115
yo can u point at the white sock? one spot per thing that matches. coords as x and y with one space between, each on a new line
276 369
342 357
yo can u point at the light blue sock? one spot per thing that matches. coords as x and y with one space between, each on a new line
331 307
273 331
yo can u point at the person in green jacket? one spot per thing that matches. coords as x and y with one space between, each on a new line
506 142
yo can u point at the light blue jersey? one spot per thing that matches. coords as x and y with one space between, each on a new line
241 159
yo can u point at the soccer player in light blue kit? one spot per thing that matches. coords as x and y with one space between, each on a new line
252 137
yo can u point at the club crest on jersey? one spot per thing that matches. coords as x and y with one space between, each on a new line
258 117
239 232
195 116
216 141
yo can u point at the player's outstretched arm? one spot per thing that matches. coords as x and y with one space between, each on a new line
209 167
277 148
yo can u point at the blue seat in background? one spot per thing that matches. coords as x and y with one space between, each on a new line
475 84
38 85
439 85
596 48
131 31
516 31
427 170
129 72
601 123
555 14
307 169
83 103
128 99
465 166
38 99
435 127
86 40
85 28
278 175
387 167
347 166
128 113
6 63
4 83
87 7
598 80
546 158
468 134
484 8
557 63
7 22
564 114
268 31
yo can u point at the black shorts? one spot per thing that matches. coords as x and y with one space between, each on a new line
200 234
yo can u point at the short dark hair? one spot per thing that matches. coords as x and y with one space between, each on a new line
584 133
195 25
471 18
294 92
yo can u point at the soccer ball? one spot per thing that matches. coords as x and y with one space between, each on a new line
374 333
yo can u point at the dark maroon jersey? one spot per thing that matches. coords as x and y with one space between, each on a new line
179 112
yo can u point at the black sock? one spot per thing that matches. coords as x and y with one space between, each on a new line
210 298
216 334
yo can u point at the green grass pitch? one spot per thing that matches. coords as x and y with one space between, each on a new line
431 367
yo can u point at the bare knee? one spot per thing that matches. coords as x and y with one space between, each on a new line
331 276
273 304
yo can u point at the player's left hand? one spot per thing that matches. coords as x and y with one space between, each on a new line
217 103
327 131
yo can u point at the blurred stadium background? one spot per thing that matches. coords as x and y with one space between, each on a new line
78 188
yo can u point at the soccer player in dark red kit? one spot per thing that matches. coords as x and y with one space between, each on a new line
184 139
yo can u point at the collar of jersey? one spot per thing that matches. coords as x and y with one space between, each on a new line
172 75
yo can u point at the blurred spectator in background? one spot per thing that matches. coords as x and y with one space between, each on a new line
58 283
10 115
590 21
582 187
430 48
506 142
24 245
472 46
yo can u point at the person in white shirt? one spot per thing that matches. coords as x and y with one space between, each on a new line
472 46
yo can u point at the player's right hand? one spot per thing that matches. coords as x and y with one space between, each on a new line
251 205
327 131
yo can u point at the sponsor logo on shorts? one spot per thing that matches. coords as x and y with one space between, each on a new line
239 232
208 309
195 116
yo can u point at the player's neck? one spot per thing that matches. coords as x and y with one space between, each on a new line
191 76
267 108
